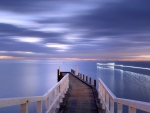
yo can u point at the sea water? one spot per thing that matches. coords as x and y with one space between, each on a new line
21 78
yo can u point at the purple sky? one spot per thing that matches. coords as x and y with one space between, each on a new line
75 29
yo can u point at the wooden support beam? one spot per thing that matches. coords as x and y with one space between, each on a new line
24 108
39 107
111 106
119 108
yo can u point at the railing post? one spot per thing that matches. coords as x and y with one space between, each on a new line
132 110
47 103
57 93
67 82
107 100
95 83
103 97
90 80
86 78
99 87
119 108
66 85
59 70
24 108
52 99
63 90
60 91
111 106
39 107
83 77
76 70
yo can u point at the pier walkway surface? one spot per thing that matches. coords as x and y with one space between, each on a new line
74 93
81 98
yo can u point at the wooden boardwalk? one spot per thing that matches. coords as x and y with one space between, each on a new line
81 98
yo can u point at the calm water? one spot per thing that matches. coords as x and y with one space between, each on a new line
34 78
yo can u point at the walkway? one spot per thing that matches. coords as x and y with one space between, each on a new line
81 99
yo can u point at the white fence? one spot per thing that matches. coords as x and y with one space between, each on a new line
52 98
108 99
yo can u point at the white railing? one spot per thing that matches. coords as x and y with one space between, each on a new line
108 99
52 98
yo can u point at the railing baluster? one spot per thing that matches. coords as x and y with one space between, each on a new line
86 78
111 106
132 110
60 92
90 80
52 99
99 93
107 100
83 77
103 97
58 100
24 108
39 107
47 103
66 85
119 108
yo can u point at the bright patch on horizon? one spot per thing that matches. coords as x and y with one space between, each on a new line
11 57
59 46
144 56
28 39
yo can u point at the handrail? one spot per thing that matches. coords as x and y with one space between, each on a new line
55 95
106 95
107 89
108 98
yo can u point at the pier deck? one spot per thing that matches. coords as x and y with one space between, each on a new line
81 98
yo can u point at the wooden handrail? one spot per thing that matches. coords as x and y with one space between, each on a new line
133 104
23 101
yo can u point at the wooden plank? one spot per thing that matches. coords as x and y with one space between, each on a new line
81 98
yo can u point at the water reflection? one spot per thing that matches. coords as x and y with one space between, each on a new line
125 84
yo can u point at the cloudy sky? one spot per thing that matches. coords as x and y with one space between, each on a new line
75 29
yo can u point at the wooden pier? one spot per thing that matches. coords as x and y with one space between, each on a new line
74 93
82 97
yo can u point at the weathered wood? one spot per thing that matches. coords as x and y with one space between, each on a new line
95 83
132 110
83 77
47 103
76 70
90 81
24 108
58 77
81 98
62 74
86 78
111 106
119 108
39 107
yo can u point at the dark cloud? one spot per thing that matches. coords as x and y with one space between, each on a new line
127 17
11 30
118 28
